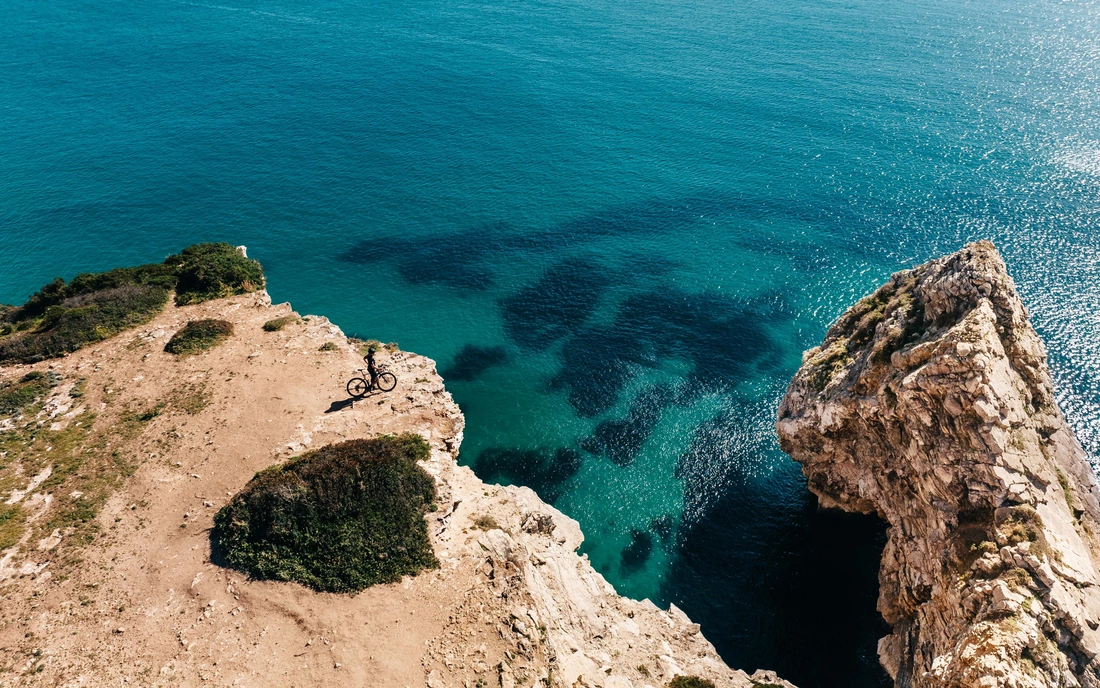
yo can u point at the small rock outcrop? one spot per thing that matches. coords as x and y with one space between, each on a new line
931 405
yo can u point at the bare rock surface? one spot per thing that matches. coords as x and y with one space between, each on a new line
931 405
141 602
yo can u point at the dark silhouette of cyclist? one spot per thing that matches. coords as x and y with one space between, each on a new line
369 358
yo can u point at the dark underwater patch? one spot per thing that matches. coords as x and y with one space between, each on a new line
555 306
543 470
665 528
637 553
463 259
722 338
471 361
621 440
596 366
457 260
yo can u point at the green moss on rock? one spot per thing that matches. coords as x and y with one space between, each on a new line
198 336
12 521
337 519
828 362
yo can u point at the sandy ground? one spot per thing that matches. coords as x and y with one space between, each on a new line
147 606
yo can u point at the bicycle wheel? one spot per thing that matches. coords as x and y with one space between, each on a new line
357 387
386 381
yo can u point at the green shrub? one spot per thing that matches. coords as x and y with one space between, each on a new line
212 271
16 396
86 284
328 346
60 318
486 523
83 320
279 323
337 519
690 682
199 335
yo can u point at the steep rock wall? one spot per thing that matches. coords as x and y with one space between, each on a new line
930 404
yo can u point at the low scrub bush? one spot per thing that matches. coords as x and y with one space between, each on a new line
337 519
198 336
690 682
279 323
16 396
60 318
328 346
213 271
365 346
486 523
83 320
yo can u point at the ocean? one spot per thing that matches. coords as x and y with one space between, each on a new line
615 225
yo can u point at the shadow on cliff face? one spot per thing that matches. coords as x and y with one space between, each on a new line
788 589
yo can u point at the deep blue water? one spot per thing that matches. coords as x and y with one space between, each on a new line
615 226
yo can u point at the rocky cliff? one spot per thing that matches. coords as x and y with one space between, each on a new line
930 404
111 480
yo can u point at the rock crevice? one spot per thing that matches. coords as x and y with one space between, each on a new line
931 405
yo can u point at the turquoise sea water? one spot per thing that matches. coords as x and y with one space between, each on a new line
616 225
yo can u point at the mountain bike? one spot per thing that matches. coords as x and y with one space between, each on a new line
360 386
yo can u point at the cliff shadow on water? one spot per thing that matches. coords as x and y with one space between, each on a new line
777 583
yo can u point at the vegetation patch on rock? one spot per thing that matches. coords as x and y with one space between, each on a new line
276 324
337 519
83 463
60 318
690 682
213 271
16 396
198 336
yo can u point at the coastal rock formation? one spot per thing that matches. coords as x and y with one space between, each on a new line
132 593
931 405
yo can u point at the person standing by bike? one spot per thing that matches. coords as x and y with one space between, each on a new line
371 368
374 377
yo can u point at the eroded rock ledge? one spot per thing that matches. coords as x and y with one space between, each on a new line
145 602
930 404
